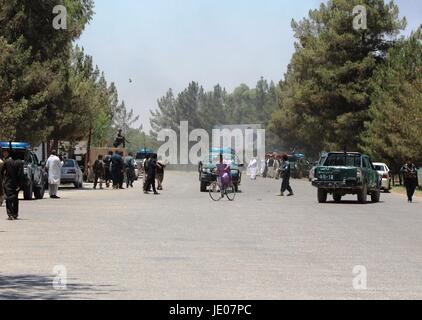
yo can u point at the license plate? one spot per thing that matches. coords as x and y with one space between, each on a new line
327 177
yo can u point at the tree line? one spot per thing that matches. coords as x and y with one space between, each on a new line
50 89
345 89
353 90
208 109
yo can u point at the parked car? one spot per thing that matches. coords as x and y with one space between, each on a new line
316 164
207 168
72 174
385 173
300 166
347 173
35 175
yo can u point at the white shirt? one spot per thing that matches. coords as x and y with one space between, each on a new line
54 167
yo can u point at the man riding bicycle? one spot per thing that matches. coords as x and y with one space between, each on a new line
224 178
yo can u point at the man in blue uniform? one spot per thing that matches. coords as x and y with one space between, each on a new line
285 173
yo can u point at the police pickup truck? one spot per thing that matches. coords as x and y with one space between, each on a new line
347 173
35 175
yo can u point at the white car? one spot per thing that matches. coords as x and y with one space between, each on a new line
385 174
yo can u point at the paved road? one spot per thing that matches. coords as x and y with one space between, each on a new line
181 245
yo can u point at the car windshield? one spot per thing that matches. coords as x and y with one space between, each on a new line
68 164
379 168
215 158
343 160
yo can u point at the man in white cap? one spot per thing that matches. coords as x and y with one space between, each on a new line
253 167
54 167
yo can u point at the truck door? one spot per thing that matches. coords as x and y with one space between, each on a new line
369 173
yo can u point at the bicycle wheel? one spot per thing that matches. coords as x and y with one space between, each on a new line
215 192
231 192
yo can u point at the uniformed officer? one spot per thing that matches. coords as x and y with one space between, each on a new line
410 175
13 181
1 177
120 140
285 173
99 172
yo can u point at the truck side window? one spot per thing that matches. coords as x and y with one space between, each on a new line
366 163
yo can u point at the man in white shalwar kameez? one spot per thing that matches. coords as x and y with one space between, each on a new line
54 167
253 167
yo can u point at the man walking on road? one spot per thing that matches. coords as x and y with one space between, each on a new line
152 169
285 173
54 168
410 175
13 180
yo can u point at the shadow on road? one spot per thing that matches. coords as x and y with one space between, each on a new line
30 287
354 202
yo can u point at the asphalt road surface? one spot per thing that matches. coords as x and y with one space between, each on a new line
182 245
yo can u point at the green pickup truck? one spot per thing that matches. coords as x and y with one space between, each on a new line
347 173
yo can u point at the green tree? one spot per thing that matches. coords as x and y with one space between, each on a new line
35 81
394 130
325 96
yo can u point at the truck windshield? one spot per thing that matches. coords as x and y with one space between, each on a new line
343 160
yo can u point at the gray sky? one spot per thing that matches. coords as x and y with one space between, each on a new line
163 44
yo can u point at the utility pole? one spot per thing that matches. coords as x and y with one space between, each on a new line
88 153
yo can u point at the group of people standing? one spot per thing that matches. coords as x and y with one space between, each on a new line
274 166
153 171
115 169
112 170
271 166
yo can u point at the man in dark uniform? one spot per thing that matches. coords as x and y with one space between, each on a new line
116 169
410 175
1 177
285 173
152 169
120 140
13 180
130 170
107 171
122 171
99 172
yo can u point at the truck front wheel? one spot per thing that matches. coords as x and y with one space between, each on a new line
375 196
322 195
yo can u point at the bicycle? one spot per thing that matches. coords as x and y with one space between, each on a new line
217 191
